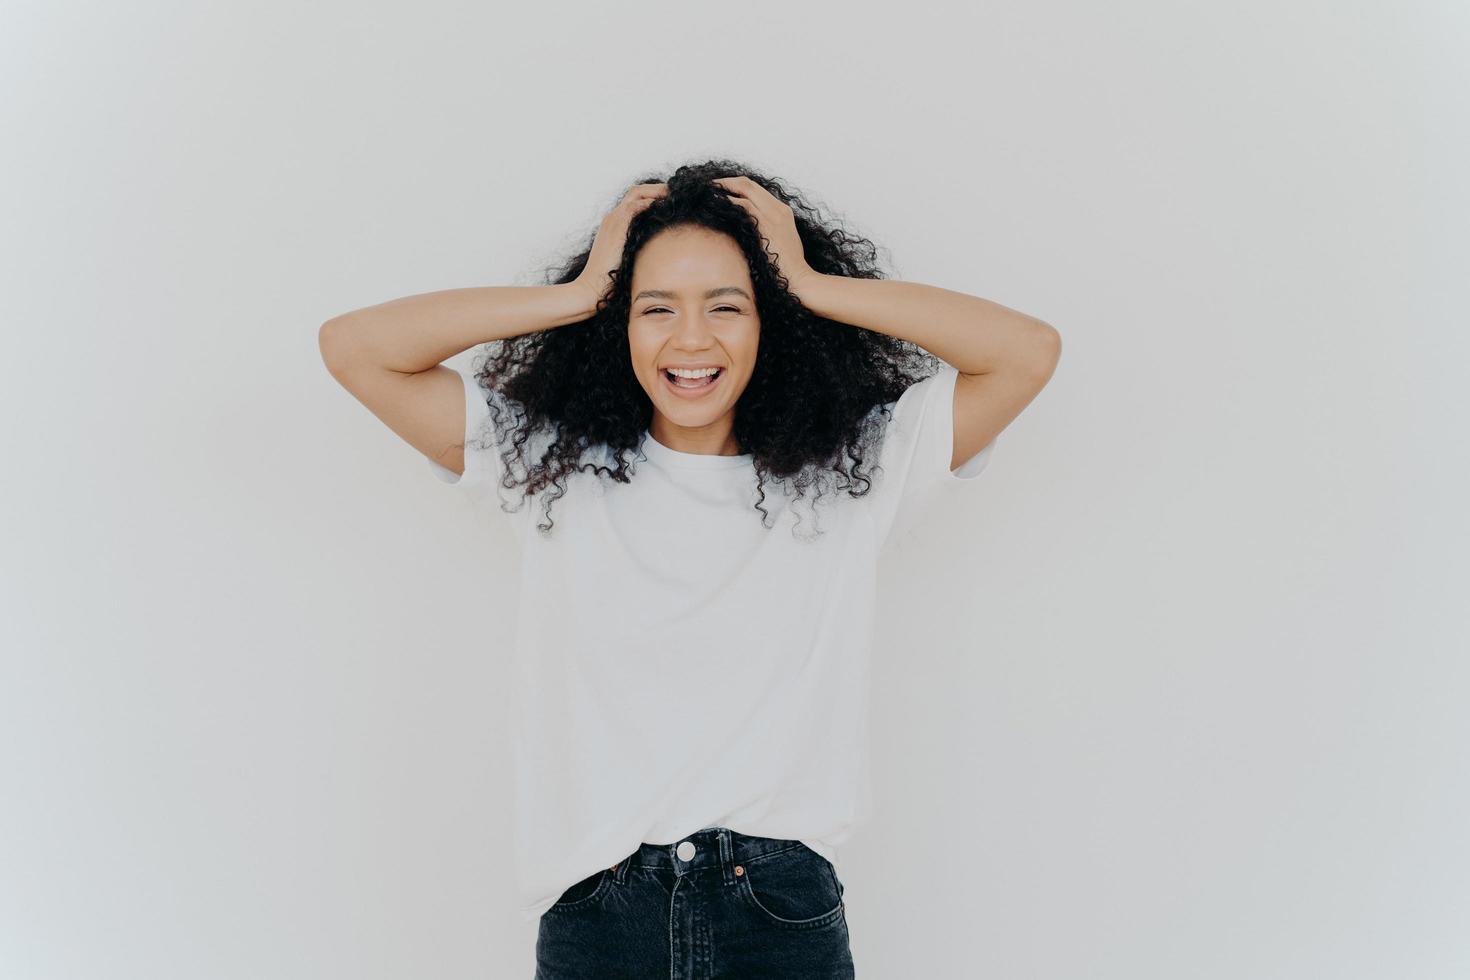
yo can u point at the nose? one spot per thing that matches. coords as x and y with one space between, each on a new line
693 329
692 338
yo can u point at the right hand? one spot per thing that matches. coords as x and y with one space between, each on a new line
612 234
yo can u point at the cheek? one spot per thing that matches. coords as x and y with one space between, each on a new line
751 347
640 349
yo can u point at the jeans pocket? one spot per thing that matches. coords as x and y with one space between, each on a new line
584 894
795 888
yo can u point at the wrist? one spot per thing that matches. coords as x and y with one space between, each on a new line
583 296
807 279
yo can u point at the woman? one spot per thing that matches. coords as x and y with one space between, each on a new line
724 413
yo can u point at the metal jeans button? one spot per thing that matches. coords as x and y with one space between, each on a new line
685 851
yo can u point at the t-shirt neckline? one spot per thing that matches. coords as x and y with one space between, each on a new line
665 456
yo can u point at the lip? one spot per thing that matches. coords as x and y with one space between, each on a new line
693 393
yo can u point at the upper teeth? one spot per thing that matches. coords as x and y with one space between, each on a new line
701 373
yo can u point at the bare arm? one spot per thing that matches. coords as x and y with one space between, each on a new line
416 333
1005 358
388 356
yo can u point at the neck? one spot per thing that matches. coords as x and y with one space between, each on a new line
715 439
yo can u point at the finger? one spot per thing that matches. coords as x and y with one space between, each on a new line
758 201
737 198
727 185
637 200
741 184
640 191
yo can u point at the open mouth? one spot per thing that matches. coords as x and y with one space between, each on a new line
692 386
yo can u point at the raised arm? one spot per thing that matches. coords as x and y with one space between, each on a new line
415 333
389 356
1004 357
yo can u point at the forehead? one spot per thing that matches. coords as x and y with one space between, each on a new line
689 258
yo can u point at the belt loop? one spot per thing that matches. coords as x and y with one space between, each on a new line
620 870
727 856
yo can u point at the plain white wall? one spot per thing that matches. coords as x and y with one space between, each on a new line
1183 697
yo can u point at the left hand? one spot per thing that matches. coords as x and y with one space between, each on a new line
776 223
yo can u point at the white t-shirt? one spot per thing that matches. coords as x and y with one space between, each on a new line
679 666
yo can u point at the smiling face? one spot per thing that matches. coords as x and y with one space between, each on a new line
693 307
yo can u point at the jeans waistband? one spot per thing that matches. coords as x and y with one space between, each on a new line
714 847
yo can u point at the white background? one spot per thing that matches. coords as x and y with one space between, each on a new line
1184 696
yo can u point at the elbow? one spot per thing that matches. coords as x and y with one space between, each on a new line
1046 350
331 341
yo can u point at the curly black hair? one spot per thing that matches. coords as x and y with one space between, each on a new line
808 409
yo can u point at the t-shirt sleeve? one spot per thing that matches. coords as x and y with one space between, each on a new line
918 443
482 463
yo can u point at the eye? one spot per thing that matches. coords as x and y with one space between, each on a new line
660 309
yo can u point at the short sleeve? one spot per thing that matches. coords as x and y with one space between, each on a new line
482 463
913 459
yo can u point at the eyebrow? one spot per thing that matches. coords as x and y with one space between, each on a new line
669 294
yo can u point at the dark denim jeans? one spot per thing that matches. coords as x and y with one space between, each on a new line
729 907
